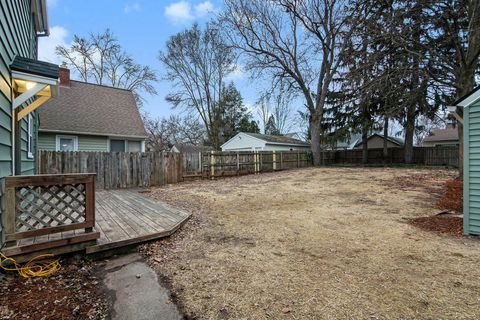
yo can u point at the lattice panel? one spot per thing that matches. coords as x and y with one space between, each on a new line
40 207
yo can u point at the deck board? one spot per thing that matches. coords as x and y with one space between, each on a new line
122 217
127 217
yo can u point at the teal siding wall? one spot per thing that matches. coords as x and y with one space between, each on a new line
92 143
47 141
472 169
17 37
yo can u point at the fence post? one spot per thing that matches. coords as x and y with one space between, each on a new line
298 159
274 161
281 160
10 215
90 203
238 163
260 158
200 162
212 165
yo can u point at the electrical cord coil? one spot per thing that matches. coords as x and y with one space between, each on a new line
39 266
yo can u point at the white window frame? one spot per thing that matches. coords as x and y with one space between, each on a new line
60 136
30 136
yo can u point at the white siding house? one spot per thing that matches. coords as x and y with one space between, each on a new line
244 141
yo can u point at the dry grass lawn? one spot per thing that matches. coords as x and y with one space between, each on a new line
317 243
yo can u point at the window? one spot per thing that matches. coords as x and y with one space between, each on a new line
30 137
134 146
117 145
67 143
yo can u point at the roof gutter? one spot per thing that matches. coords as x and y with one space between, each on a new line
288 144
39 10
91 133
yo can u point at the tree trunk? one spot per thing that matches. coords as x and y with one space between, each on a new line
385 141
315 124
364 145
467 81
409 132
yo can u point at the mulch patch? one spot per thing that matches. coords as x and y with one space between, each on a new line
440 224
452 198
74 292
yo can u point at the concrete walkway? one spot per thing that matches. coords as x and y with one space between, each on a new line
136 291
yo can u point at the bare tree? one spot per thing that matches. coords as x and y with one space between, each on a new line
263 111
453 48
158 134
299 43
163 133
276 104
197 63
101 59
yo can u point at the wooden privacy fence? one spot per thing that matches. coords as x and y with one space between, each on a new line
429 156
130 170
220 164
44 205
116 169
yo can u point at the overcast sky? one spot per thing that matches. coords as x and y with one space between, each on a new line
142 27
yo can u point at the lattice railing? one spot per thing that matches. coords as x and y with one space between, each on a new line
46 204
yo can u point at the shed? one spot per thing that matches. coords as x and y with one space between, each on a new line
246 141
471 161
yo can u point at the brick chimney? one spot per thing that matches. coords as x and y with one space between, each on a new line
64 76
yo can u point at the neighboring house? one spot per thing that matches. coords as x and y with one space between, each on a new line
25 84
244 141
375 141
294 135
190 148
348 143
471 161
442 137
91 117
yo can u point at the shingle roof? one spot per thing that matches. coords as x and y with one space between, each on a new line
191 148
276 139
397 141
442 135
95 109
32 66
474 90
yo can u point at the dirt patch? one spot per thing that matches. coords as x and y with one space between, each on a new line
317 243
74 292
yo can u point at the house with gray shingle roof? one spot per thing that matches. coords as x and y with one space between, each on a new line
91 117
246 141
442 137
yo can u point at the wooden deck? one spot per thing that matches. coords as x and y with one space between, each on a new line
123 217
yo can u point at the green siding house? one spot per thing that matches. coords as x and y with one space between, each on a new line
471 157
90 117
25 84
